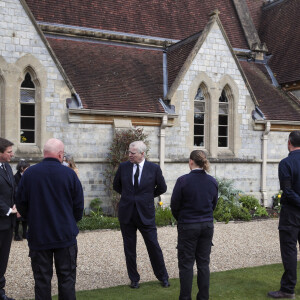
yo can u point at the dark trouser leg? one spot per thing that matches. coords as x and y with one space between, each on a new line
186 248
42 267
17 227
129 240
65 265
288 247
202 259
149 234
24 225
5 243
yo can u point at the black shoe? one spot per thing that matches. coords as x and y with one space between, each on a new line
134 284
4 297
17 238
281 295
165 283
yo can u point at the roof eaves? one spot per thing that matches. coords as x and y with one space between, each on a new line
62 29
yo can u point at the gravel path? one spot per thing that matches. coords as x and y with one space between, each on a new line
101 261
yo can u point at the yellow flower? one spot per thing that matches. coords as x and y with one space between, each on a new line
279 196
160 203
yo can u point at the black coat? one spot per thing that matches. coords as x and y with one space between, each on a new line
7 198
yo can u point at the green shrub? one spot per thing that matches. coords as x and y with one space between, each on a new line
260 211
226 211
227 191
249 202
98 222
95 206
163 216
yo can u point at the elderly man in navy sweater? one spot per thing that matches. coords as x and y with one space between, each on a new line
50 197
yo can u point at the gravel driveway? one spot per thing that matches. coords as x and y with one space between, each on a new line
101 261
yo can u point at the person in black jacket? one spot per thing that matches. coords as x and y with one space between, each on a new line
50 197
7 209
21 167
289 220
193 201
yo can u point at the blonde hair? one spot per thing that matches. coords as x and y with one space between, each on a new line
199 157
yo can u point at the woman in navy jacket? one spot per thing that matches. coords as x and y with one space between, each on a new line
193 201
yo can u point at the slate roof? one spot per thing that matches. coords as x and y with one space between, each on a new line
280 29
112 77
177 55
167 19
273 102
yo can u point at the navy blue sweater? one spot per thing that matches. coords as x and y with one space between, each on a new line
50 197
194 197
289 177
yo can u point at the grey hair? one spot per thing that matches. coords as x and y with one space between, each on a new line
139 145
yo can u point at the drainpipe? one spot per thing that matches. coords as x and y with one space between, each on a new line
165 74
264 139
162 142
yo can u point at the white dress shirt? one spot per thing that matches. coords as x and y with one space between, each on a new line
141 165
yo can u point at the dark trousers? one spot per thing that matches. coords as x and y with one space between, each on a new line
24 227
194 243
5 243
288 247
149 233
65 265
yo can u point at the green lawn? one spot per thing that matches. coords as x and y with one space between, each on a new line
241 284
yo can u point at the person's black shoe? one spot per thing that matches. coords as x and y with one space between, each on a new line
17 238
165 283
281 295
24 237
134 284
4 297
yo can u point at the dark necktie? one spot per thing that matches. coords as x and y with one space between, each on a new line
136 177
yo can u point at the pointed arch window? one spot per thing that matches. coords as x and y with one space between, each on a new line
27 110
223 124
199 119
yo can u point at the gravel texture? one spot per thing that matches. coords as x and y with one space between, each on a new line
101 261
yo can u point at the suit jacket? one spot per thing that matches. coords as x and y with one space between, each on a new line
152 184
7 197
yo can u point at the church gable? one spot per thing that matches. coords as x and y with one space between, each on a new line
212 76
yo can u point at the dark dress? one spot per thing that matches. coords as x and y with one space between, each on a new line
18 177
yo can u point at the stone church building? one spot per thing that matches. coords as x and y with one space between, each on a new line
221 76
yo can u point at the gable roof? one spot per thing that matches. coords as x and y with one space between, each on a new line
273 102
167 19
112 76
280 29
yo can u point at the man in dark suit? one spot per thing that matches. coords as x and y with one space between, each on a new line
7 209
139 182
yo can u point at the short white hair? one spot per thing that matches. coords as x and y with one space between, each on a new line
139 145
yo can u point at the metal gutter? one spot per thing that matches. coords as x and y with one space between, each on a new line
120 113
